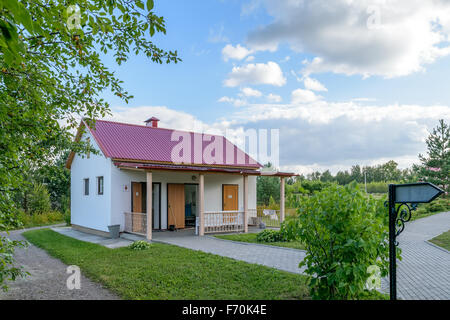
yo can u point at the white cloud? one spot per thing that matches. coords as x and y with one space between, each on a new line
169 118
233 101
249 92
313 84
236 53
304 96
273 97
259 73
345 36
250 58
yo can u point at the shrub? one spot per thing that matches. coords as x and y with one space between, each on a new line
67 219
289 229
269 235
345 232
27 220
139 245
39 199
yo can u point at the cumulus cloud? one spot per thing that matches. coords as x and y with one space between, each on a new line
304 96
169 118
338 135
249 92
259 73
367 37
274 97
313 84
235 102
236 53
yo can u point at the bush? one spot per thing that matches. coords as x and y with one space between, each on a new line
139 245
39 199
269 235
289 229
27 220
67 219
345 232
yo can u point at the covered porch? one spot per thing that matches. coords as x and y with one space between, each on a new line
228 186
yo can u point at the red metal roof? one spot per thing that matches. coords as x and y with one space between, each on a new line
129 142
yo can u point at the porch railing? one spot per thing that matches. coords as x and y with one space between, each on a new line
136 222
224 221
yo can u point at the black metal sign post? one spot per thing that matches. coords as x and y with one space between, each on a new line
407 196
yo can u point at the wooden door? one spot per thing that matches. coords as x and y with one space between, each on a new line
230 197
175 205
136 188
138 224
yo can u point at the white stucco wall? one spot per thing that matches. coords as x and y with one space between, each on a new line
93 210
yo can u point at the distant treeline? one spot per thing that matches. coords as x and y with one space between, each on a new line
374 178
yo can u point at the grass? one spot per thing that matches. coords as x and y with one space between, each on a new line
170 272
442 240
251 237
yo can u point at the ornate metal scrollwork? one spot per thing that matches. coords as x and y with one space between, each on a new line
403 215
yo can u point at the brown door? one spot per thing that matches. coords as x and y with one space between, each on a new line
175 208
230 197
136 188
138 224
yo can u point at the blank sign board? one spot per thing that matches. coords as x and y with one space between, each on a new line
416 192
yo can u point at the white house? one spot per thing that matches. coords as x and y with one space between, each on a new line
188 179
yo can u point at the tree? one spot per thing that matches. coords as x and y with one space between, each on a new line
266 187
436 165
345 234
51 71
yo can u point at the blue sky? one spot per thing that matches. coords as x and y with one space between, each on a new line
350 82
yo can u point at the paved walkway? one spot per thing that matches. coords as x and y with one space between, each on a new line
47 279
424 272
106 242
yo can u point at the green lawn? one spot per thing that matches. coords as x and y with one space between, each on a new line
170 272
251 237
442 240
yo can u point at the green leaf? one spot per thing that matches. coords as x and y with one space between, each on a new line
150 5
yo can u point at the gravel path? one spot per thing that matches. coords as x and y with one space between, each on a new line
47 279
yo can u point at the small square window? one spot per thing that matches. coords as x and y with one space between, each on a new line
100 185
86 186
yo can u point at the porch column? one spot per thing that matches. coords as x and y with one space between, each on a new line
281 199
201 199
149 205
245 203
